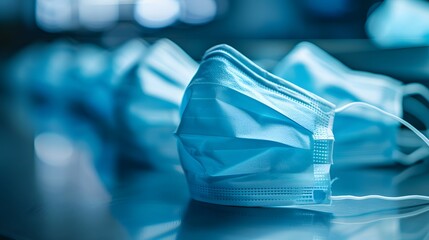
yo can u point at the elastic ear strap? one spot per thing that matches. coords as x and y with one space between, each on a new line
418 110
416 89
409 172
418 154
402 121
418 107
380 197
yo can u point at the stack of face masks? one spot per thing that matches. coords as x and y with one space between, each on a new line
150 104
65 76
134 90
245 137
250 138
46 78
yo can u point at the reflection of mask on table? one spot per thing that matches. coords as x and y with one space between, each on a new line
376 218
61 138
361 136
68 149
415 226
222 222
250 138
151 111
149 205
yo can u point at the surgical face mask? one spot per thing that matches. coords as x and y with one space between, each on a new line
48 77
249 138
397 23
66 76
151 113
361 136
125 59
91 73
19 68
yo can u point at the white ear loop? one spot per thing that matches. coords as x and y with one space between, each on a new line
418 110
380 197
405 123
421 112
421 152
402 121
410 172
416 89
409 159
418 154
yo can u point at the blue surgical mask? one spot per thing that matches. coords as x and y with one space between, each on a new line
151 110
48 77
91 73
249 138
125 59
397 23
361 136
67 76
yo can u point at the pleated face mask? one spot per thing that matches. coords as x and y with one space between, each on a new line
48 77
152 110
249 138
361 136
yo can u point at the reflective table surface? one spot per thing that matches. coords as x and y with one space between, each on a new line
84 189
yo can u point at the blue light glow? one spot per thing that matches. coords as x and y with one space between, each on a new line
198 11
156 13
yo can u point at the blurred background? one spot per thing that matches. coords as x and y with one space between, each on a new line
336 25
78 161
110 22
